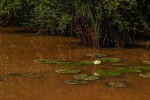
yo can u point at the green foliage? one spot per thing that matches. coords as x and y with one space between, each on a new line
46 17
16 10
103 22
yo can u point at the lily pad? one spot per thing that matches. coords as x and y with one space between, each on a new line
33 75
30 75
65 63
86 62
47 61
10 46
144 68
96 55
129 70
106 73
13 74
117 84
74 82
76 63
118 64
146 62
86 77
147 75
67 70
111 60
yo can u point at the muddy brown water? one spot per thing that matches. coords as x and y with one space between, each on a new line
18 50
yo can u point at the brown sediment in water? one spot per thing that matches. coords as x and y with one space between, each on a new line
18 50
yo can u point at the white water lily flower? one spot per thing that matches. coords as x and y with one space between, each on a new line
96 74
97 62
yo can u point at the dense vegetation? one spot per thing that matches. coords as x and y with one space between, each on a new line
97 23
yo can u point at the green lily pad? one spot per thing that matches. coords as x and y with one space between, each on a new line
111 60
117 84
118 64
96 55
74 82
86 62
30 75
47 61
146 62
106 73
86 77
67 70
65 63
144 68
13 74
147 75
77 63
129 70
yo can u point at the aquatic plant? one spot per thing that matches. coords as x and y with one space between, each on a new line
96 55
144 68
65 63
75 82
28 75
146 62
107 73
86 77
117 84
111 59
129 70
67 70
96 62
146 75
46 61
119 64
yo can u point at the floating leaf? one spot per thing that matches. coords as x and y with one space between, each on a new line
76 82
77 63
117 84
65 63
33 75
10 46
118 64
30 75
67 70
47 61
147 75
144 68
80 76
111 60
129 70
96 55
13 74
106 73
86 77
86 62
146 62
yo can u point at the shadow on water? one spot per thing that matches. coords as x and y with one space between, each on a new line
18 58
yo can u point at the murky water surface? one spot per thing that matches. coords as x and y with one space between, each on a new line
18 50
